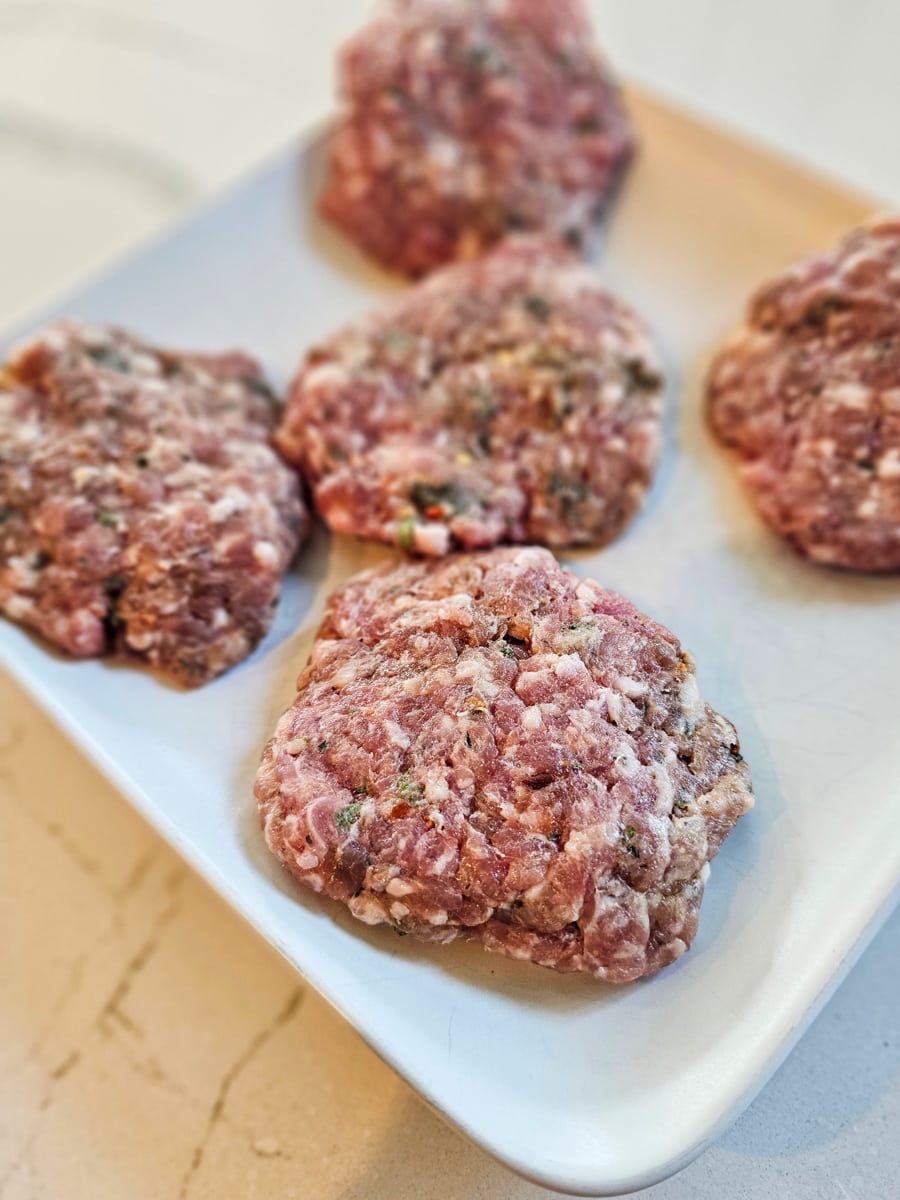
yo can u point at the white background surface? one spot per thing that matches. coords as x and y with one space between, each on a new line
111 118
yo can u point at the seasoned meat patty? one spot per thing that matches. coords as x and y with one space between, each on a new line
808 393
488 746
510 399
467 119
142 508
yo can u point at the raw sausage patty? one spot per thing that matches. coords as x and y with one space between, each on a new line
511 399
468 119
490 747
142 508
808 392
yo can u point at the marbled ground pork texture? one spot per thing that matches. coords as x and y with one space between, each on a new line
143 511
469 119
489 747
808 393
512 399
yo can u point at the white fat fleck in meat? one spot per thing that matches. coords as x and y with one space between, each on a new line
615 708
18 608
868 508
367 909
632 688
665 788
569 668
689 698
399 887
396 736
437 790
432 539
327 376
531 718
234 500
848 395
444 152
625 762
265 554
82 477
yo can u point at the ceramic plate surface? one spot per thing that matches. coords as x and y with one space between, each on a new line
582 1087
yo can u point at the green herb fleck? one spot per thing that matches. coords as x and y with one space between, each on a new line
426 496
323 746
397 343
362 790
581 626
192 668
107 518
819 312
113 584
577 764
107 356
568 491
6 512
411 792
640 376
628 835
506 649
406 533
555 836
480 404
480 54
538 307
348 815
589 123
735 754
257 385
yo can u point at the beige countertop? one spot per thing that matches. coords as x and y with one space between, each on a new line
150 1045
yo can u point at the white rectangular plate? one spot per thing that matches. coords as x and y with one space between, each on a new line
582 1087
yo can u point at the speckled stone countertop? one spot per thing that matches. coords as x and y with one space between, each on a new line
150 1045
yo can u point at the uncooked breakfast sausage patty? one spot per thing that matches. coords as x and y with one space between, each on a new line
808 392
488 746
142 508
511 399
468 119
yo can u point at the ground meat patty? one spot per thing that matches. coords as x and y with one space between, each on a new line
808 392
489 746
507 400
470 118
142 508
